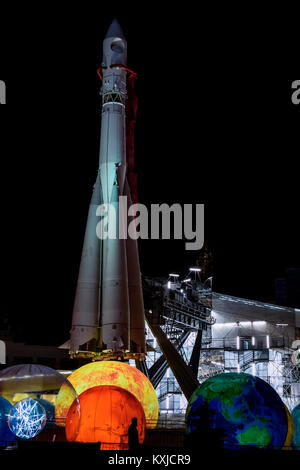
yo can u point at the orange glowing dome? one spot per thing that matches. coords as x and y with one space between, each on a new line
114 373
106 413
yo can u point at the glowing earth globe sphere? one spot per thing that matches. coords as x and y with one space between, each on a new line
114 373
242 411
296 421
27 418
106 414
6 435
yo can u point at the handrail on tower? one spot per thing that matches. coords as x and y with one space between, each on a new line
132 74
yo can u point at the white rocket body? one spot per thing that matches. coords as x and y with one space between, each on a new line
108 304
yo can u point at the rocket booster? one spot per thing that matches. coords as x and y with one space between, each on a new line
108 310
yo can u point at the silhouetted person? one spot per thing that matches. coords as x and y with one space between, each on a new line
133 435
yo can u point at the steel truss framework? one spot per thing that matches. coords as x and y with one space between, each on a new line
273 365
186 324
179 322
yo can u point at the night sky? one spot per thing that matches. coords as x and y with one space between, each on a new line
215 126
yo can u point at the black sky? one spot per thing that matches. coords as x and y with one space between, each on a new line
215 126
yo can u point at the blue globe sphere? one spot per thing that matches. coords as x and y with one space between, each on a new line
238 411
6 436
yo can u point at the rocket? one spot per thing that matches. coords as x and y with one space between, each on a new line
108 314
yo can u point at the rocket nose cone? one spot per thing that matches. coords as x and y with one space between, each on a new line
115 31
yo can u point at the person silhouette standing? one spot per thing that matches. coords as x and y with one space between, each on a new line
133 436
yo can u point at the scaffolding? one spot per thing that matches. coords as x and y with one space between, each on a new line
179 321
183 311
274 365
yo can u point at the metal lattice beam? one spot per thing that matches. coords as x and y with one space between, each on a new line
182 372
159 368
195 357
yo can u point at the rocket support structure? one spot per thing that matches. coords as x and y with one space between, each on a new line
108 317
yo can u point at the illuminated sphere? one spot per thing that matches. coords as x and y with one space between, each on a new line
290 430
296 421
106 413
237 410
27 418
114 373
50 412
6 436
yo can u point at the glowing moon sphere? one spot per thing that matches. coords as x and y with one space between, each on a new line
106 413
114 373
27 419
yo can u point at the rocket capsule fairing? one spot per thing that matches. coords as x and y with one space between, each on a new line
108 310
